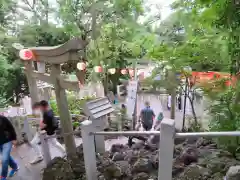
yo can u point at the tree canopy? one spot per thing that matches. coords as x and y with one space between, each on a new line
199 33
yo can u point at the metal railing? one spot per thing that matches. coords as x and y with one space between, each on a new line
167 136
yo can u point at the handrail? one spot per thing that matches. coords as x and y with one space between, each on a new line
149 133
177 135
126 133
208 134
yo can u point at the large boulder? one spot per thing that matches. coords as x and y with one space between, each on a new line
233 173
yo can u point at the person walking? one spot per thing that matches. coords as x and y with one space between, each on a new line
36 140
50 125
158 120
147 117
169 102
8 139
179 102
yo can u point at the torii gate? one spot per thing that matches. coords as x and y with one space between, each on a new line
54 56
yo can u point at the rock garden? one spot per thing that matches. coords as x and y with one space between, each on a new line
194 159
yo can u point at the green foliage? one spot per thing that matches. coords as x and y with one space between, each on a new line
194 126
225 116
75 105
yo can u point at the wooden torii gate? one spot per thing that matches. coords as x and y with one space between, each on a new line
54 56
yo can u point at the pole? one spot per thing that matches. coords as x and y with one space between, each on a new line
173 103
185 103
173 96
135 106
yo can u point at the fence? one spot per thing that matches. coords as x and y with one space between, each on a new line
167 136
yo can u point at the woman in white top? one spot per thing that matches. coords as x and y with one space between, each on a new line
169 102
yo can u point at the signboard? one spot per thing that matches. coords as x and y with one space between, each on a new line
131 97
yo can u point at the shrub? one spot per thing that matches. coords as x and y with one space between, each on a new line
75 105
194 126
225 116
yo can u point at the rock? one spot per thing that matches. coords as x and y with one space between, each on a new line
151 147
155 139
154 161
233 173
195 172
191 140
138 145
189 155
193 160
131 156
141 176
109 169
216 165
58 169
217 176
116 148
177 150
125 168
142 165
203 142
177 169
117 156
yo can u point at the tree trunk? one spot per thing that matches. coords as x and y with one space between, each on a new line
185 103
193 110
173 104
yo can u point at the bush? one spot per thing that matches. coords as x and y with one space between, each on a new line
194 126
225 116
75 105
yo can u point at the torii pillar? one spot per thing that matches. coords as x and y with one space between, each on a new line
54 56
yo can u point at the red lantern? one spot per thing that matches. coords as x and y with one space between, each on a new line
26 54
131 72
112 71
98 69
81 66
123 71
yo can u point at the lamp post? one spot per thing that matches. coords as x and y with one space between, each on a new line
187 72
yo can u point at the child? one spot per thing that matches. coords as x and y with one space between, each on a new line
158 120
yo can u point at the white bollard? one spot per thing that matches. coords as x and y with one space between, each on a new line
166 144
45 147
99 125
89 149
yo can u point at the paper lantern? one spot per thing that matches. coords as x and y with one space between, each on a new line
98 69
26 54
131 72
81 66
112 71
123 71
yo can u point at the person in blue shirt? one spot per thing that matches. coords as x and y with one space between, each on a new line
8 138
147 117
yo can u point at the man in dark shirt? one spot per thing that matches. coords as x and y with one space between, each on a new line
50 125
8 138
147 117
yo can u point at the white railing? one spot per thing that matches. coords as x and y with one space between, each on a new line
167 136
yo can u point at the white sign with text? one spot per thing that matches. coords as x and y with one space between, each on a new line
131 97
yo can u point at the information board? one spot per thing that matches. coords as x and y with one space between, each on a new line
131 97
